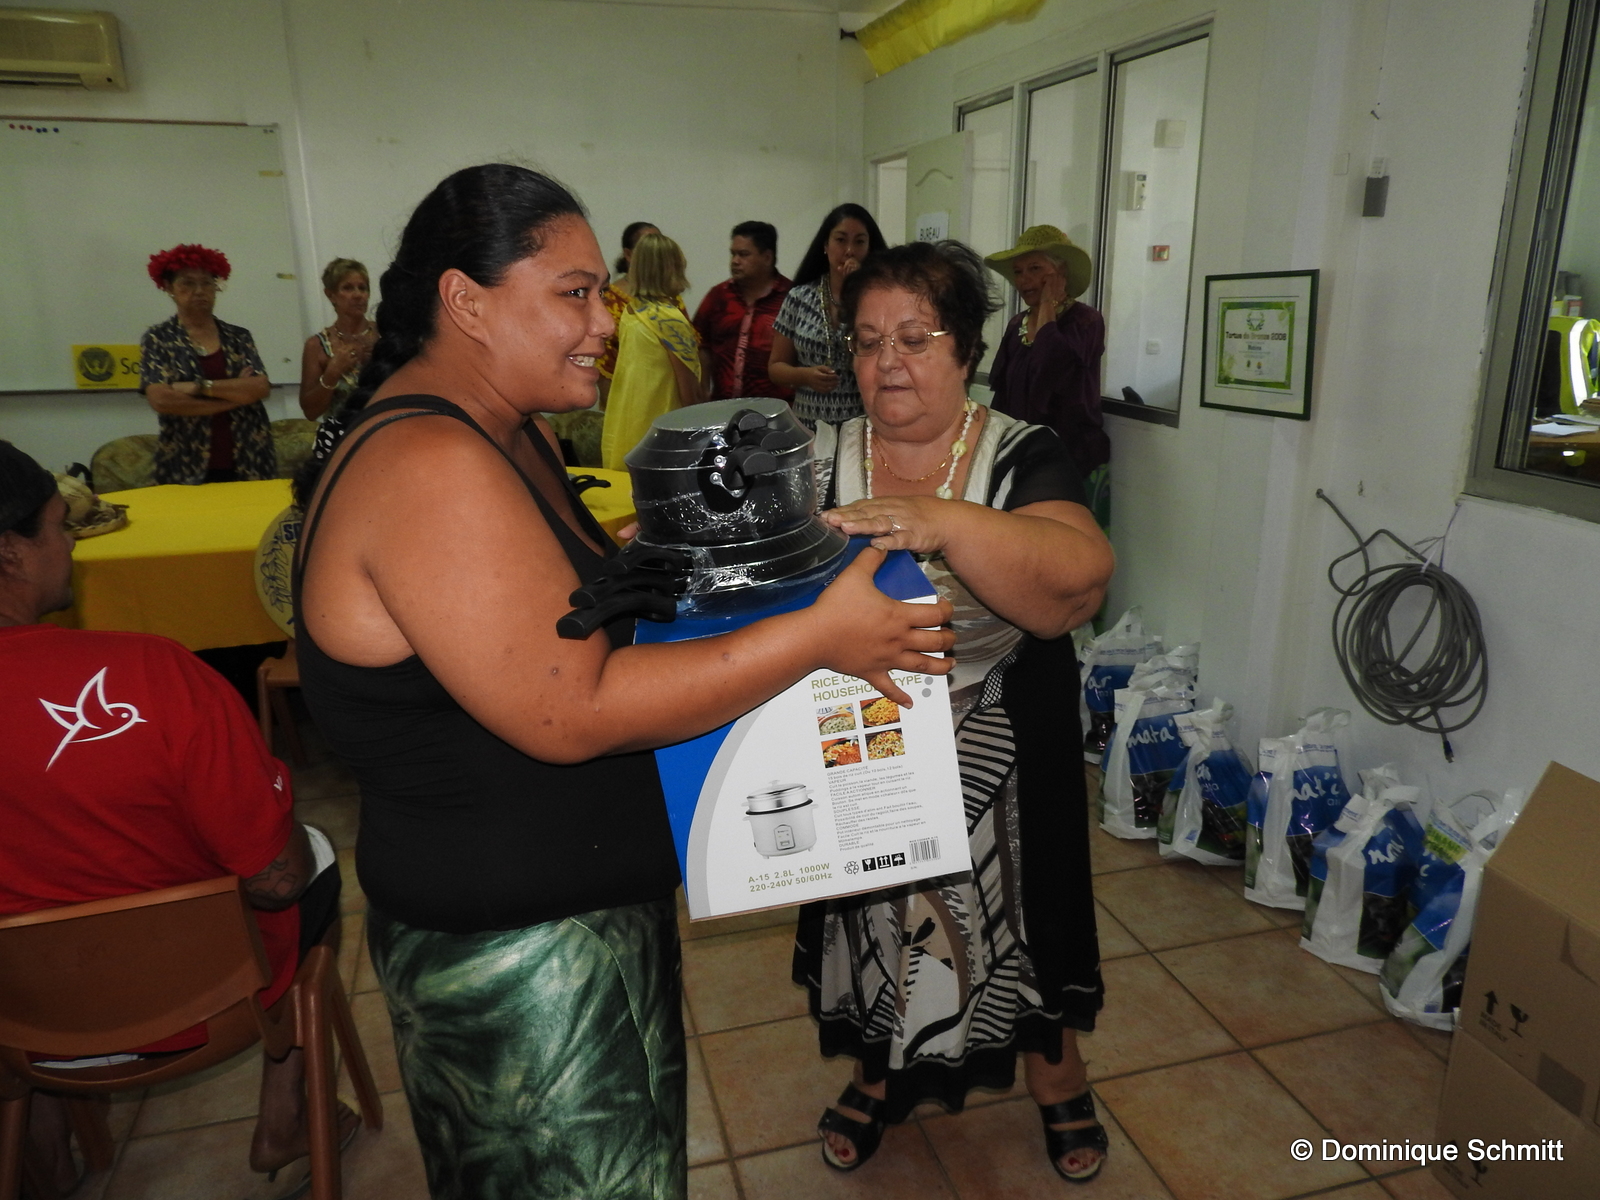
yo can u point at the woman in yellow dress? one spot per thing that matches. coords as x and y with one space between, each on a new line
658 353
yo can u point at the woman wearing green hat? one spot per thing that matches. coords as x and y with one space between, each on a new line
1046 370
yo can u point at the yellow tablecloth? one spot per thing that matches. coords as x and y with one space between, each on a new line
184 567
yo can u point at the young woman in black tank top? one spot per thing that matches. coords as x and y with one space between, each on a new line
514 845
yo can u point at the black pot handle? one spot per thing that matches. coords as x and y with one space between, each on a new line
642 581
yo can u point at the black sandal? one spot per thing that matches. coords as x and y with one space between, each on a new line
1061 1142
863 1135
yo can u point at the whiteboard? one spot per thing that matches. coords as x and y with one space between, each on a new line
84 204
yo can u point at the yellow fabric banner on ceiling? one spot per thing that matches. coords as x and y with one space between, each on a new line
917 27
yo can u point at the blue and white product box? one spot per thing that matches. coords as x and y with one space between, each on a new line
827 789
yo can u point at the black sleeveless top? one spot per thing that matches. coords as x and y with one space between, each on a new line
460 831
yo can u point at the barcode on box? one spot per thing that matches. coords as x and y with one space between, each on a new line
924 850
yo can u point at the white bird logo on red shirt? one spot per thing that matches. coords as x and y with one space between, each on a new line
92 711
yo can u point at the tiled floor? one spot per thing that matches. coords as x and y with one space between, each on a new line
1220 1044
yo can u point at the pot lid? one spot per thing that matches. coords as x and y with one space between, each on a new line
690 438
737 565
778 798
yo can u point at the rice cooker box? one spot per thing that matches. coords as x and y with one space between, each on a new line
1532 990
828 789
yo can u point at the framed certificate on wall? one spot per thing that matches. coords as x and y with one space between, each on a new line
1258 343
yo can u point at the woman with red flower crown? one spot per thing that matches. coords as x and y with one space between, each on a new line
204 378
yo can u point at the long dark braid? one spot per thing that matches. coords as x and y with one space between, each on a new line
479 221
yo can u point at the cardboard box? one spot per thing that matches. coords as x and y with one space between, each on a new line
1512 1141
828 789
1532 991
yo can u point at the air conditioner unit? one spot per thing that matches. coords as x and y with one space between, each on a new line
42 47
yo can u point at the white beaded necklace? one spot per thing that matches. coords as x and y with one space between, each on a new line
958 450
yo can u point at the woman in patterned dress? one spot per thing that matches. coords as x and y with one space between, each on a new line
204 378
808 351
934 988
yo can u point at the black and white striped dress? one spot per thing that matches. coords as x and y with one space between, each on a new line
818 342
937 989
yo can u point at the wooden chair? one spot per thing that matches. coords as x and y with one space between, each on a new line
272 677
96 979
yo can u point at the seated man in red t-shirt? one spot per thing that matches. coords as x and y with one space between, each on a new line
130 765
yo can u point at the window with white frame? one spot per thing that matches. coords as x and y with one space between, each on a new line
1152 177
1108 151
993 126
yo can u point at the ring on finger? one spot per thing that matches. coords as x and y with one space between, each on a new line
894 526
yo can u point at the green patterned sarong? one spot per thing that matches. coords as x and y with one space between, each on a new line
544 1063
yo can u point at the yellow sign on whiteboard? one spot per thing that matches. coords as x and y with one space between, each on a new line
103 365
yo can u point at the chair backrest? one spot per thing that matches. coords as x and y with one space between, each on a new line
124 463
292 440
1577 374
111 975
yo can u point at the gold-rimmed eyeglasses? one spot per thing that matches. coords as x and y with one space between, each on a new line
908 339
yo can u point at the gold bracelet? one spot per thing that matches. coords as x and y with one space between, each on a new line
327 387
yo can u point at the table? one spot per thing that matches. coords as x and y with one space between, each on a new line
184 567
1587 440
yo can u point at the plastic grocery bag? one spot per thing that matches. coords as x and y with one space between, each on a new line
1362 867
1421 979
1145 751
1107 664
1305 794
1203 817
1255 809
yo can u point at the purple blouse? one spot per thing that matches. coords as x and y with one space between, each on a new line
1055 382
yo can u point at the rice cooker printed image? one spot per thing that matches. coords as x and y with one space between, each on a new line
781 820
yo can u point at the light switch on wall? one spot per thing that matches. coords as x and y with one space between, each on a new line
1134 190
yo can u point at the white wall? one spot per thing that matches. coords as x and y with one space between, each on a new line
695 116
1218 532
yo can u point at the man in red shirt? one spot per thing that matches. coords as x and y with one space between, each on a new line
129 766
735 318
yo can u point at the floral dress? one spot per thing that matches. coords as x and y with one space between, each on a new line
166 355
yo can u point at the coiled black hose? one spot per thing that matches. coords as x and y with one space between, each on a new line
1453 673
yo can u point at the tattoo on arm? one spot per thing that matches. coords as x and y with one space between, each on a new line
285 878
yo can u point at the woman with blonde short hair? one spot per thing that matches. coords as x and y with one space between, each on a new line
658 351
333 357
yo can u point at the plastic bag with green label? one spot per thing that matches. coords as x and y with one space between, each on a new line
1203 817
1362 867
1421 979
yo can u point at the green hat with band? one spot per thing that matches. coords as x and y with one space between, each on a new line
1047 239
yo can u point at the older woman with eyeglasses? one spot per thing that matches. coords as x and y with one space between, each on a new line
204 378
934 991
